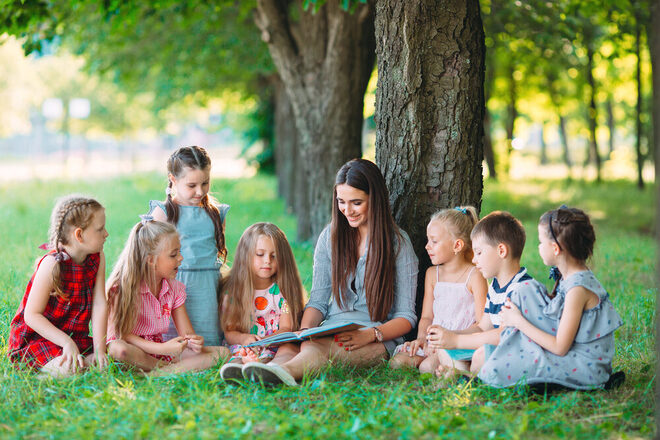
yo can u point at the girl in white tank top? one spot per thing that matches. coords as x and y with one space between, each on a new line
454 293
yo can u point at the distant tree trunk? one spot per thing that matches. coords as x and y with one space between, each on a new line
592 113
286 149
653 33
638 119
489 153
511 116
429 110
544 153
325 59
554 97
564 144
610 124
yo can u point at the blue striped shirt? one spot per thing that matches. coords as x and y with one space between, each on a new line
497 295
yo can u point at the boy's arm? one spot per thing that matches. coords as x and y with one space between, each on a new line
471 338
100 316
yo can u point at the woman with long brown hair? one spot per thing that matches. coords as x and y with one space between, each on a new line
365 271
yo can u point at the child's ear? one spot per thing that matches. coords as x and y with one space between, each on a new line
502 250
171 178
555 249
77 234
151 259
459 245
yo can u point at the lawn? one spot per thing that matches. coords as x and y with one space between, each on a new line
339 402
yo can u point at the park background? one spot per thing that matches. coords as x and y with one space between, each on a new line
504 105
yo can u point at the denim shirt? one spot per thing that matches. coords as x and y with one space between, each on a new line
356 310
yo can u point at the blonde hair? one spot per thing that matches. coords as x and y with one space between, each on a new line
70 212
238 289
132 268
459 222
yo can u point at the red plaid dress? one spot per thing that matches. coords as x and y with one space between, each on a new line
70 315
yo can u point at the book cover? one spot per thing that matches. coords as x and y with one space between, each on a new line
304 335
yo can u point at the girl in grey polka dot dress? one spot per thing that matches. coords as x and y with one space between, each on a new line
568 337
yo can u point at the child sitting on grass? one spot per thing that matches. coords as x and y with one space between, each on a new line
498 241
565 338
143 294
50 331
454 292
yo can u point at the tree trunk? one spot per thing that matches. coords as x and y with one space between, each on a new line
610 124
325 59
638 119
489 153
512 114
653 34
592 112
564 144
544 148
286 148
429 110
489 83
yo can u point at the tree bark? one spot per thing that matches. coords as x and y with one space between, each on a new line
429 110
325 59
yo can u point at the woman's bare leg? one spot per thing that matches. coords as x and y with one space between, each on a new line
285 353
315 354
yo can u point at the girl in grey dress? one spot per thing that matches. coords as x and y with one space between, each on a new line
566 338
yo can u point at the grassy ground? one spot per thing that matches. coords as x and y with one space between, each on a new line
339 402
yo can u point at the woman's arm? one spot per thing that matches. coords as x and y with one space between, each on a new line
100 316
319 296
312 317
576 302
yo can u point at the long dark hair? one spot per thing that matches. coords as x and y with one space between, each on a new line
573 232
196 158
380 268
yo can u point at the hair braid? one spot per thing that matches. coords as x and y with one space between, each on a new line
73 211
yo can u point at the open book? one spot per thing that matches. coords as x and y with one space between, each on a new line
310 333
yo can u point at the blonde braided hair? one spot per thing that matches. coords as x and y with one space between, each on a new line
70 212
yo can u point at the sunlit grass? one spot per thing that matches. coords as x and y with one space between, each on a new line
340 402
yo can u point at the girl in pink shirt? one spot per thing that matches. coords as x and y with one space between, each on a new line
143 295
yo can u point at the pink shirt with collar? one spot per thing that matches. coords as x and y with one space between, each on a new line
155 313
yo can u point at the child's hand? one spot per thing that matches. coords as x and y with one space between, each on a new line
101 360
248 339
71 358
438 337
174 347
510 314
195 342
411 347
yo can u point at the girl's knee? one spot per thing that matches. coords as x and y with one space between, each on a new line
428 365
478 359
118 350
399 361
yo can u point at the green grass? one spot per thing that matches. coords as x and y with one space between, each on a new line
340 402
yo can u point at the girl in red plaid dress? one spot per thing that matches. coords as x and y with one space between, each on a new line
143 295
50 331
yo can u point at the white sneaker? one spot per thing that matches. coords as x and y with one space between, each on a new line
271 374
231 371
